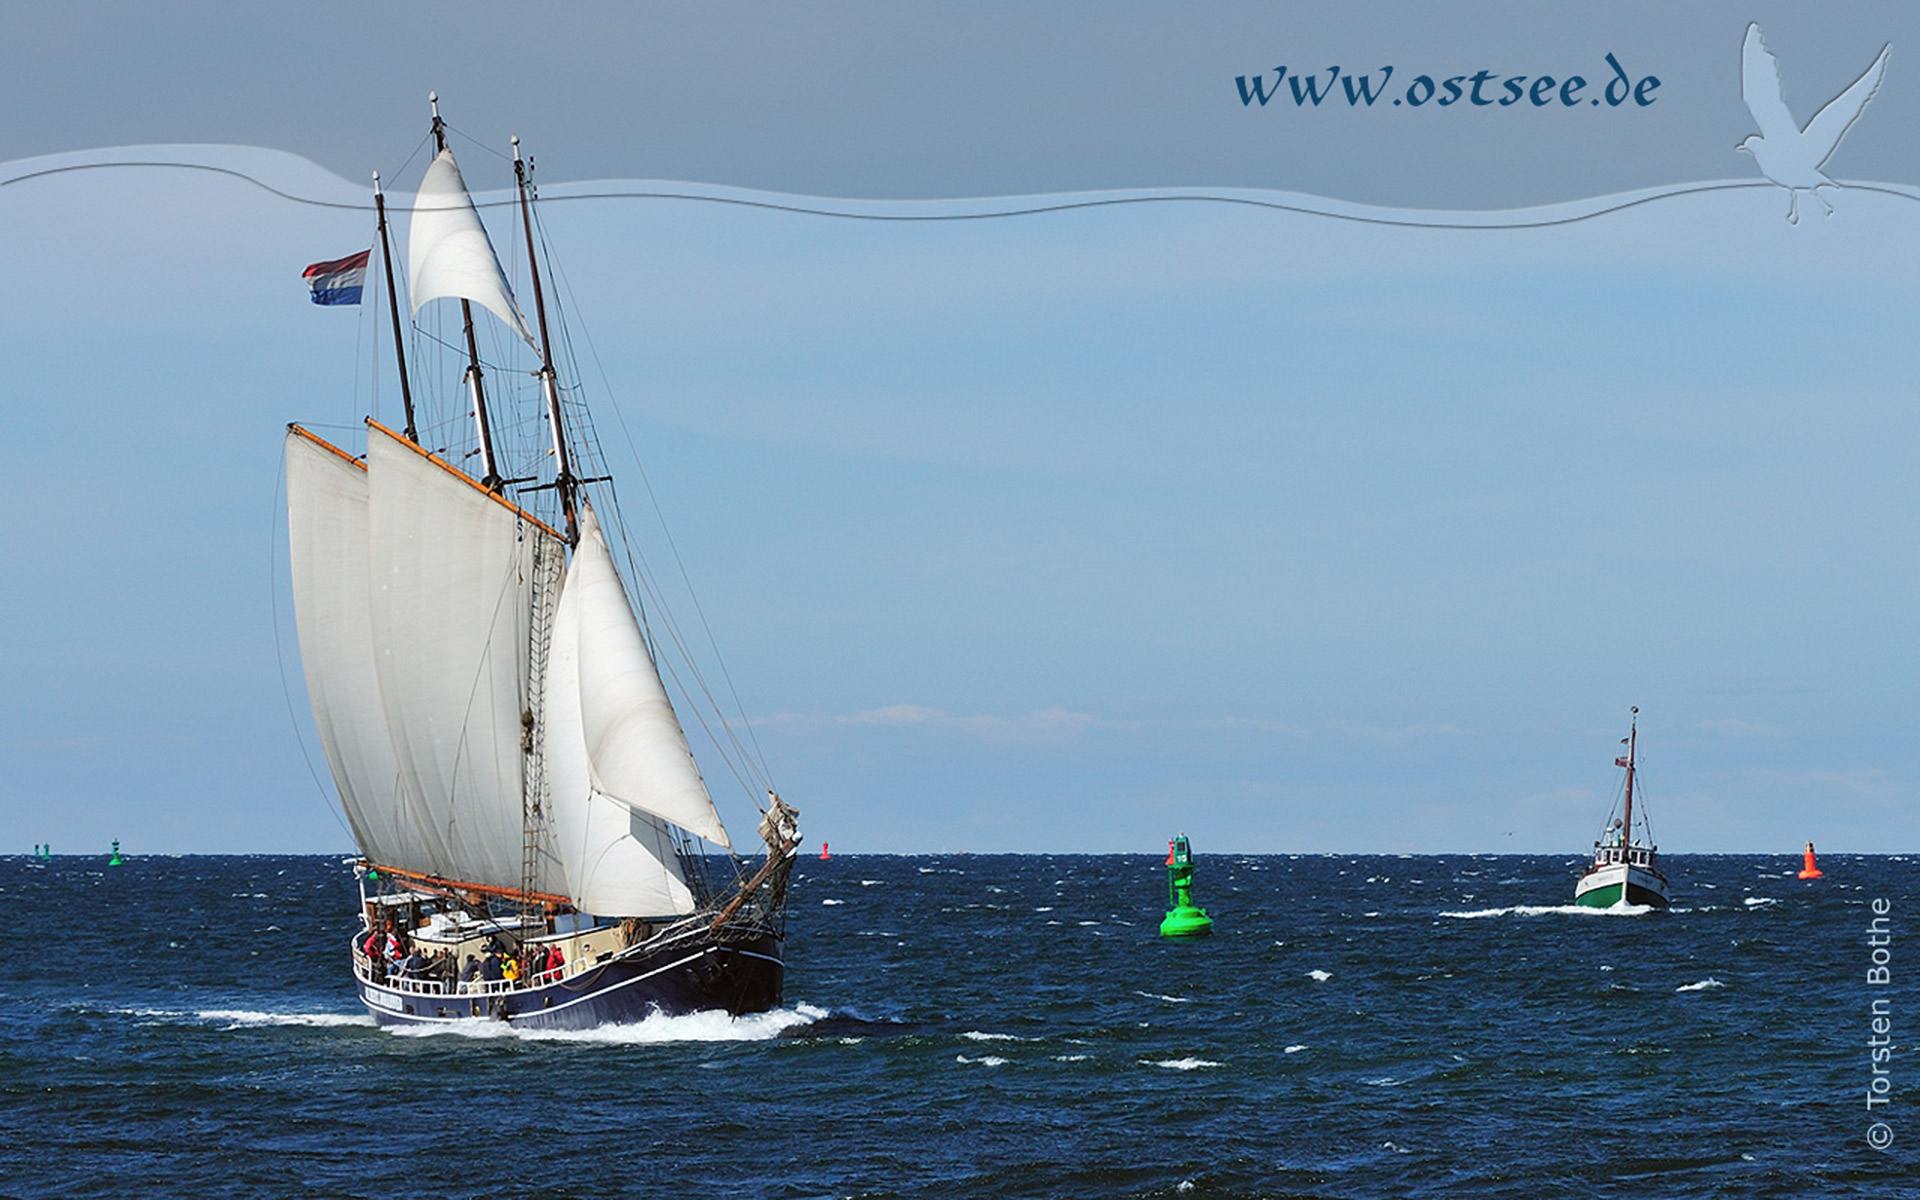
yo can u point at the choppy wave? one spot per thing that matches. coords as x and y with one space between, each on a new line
1704 985
1757 901
985 1060
1543 910
1180 1064
1319 976
1168 999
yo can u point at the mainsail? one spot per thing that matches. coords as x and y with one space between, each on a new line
455 572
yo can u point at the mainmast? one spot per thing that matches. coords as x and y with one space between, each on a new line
393 306
489 476
564 481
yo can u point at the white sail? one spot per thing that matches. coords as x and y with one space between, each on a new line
327 533
448 254
636 750
452 578
616 862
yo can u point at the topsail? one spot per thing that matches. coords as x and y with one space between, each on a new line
448 254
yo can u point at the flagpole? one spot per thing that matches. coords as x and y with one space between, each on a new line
393 306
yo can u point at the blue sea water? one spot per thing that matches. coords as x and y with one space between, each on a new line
981 1026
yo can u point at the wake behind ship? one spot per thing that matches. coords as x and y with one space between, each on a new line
537 842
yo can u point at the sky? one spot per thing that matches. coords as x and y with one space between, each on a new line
1053 532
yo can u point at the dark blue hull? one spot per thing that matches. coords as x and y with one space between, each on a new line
735 971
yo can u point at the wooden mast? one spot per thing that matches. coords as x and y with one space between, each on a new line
489 475
563 481
393 307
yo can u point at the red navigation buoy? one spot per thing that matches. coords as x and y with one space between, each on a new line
824 856
1810 871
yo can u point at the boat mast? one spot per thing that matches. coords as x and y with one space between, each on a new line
393 306
489 476
1633 734
563 481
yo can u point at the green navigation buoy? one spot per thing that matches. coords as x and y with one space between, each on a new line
1183 919
115 860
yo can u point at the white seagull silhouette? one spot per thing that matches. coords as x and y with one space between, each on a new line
1787 154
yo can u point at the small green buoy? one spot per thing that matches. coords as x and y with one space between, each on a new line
1183 919
115 860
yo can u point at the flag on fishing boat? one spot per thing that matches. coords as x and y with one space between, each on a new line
1621 761
338 281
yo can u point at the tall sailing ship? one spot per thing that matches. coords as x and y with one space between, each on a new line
1626 864
537 843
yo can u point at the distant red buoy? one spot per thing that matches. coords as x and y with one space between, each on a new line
1810 871
824 856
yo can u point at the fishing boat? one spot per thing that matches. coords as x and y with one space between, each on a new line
1626 863
537 843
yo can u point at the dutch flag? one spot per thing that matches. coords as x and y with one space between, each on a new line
338 281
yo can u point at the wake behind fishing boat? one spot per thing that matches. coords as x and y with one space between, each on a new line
1624 869
532 824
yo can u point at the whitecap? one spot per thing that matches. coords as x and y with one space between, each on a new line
1168 999
1180 1064
869 883
832 902
1071 1057
1757 901
974 1035
985 1060
1702 986
1319 976
1295 1049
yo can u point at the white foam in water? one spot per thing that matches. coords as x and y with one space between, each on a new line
1168 999
1180 1064
985 1060
830 902
1071 1057
974 1035
1295 1049
713 1026
242 1018
237 1018
1757 901
1702 986
1319 976
1542 910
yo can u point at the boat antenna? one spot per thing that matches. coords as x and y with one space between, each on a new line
489 477
1626 822
563 481
393 306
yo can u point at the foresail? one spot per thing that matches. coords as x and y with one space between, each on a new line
327 535
448 253
636 751
616 862
453 573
